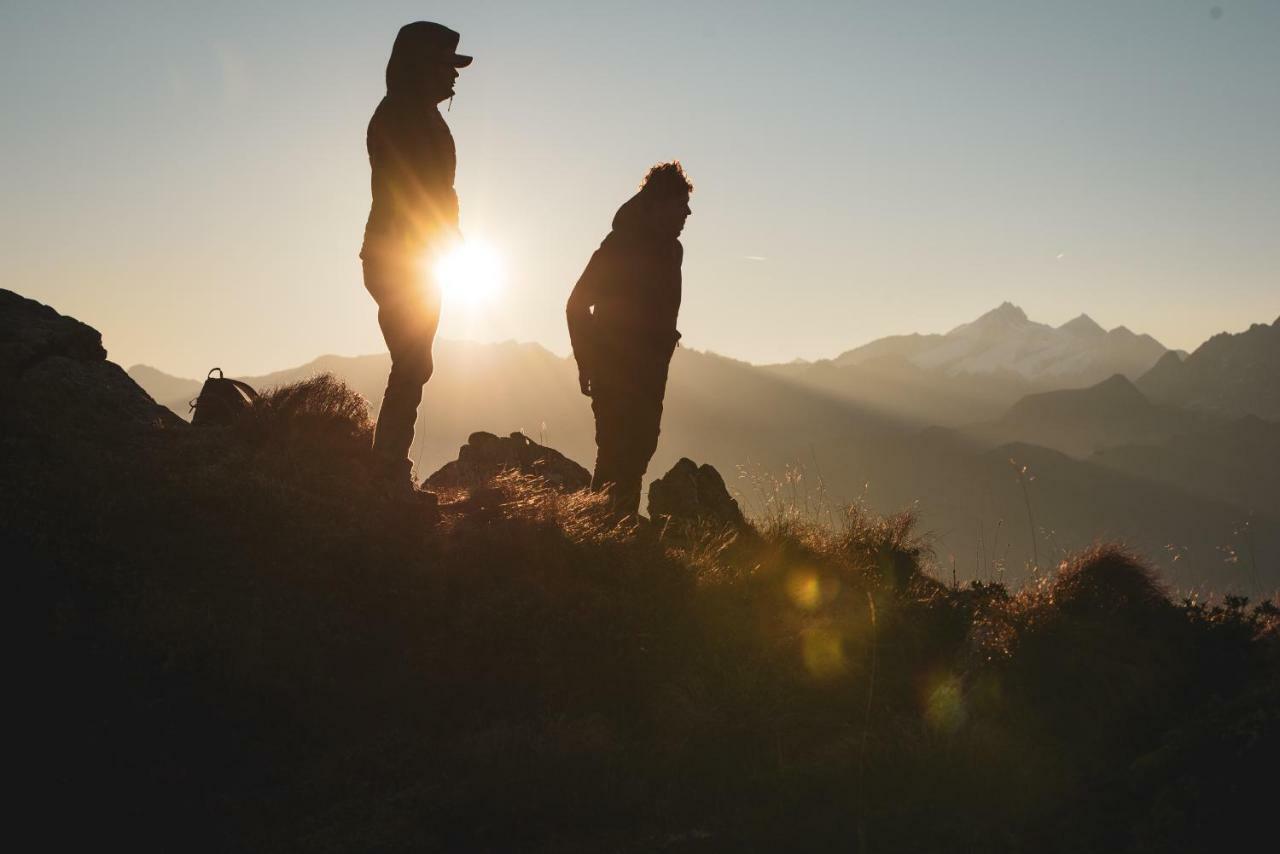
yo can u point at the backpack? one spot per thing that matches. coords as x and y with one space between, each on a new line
221 400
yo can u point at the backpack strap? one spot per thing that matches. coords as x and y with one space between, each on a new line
248 390
211 370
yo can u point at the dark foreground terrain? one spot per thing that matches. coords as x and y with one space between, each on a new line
243 647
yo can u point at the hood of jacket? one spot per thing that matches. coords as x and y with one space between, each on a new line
410 58
630 218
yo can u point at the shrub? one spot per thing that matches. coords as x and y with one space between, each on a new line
1107 579
318 415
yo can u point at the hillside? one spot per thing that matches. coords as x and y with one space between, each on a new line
248 649
776 439
1237 461
1080 422
1230 374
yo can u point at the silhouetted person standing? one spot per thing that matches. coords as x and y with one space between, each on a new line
413 219
622 322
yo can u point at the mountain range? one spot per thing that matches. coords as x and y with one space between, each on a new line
1014 476
978 369
1005 340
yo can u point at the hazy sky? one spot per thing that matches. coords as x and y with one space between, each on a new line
191 178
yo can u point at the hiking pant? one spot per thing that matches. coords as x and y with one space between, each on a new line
628 416
409 314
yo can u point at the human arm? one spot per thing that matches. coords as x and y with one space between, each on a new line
581 321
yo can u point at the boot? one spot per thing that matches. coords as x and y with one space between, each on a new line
396 483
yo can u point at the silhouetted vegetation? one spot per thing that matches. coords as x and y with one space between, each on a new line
249 649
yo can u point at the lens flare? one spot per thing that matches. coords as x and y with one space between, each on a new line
471 273
822 649
809 591
944 708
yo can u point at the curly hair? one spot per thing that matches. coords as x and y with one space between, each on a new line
667 179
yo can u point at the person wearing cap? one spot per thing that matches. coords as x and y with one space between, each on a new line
622 324
412 220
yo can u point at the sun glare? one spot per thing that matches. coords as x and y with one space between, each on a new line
470 273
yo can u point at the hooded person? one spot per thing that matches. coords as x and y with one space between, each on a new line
622 324
413 219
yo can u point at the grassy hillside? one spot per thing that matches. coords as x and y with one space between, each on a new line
246 648
759 428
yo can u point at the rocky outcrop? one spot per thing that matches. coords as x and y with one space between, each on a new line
56 382
31 332
691 493
486 455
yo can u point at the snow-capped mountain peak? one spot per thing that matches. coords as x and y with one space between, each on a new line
1006 340
1005 316
1084 326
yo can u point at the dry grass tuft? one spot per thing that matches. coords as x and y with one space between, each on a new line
317 414
1107 578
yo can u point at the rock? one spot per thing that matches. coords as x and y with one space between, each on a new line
56 382
691 493
486 455
30 332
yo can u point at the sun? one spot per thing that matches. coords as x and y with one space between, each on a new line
471 273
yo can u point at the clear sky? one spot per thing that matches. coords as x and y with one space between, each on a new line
191 178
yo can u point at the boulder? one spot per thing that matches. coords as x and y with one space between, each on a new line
486 455
56 382
691 493
31 332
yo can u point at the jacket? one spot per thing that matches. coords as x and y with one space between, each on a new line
413 162
622 311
